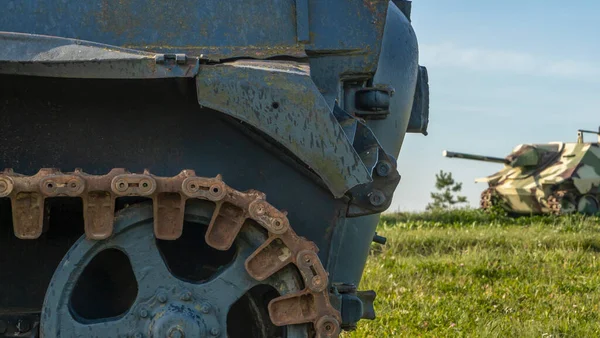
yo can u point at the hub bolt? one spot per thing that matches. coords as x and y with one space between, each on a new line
215 331
143 313
186 296
205 308
162 297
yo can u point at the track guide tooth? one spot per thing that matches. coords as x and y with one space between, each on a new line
225 225
303 307
28 214
269 258
98 214
294 308
169 212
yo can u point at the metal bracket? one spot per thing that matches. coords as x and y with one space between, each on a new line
370 103
353 305
179 59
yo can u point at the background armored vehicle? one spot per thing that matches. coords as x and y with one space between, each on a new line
544 178
259 139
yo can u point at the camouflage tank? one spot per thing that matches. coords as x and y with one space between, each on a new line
198 168
552 178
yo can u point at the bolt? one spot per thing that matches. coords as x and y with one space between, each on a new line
143 313
383 168
3 186
377 198
205 308
23 325
162 297
186 296
215 331
316 280
307 259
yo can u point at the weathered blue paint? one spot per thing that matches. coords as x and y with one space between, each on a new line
195 308
301 139
38 55
281 100
398 68
302 21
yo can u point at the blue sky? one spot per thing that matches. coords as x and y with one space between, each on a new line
501 73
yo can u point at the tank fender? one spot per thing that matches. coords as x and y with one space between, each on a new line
281 100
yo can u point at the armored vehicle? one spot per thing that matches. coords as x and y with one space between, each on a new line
552 178
203 168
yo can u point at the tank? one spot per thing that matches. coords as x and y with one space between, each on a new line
553 178
201 168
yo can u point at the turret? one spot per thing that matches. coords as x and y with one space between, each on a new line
475 157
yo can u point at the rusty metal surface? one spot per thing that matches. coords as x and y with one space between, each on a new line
169 195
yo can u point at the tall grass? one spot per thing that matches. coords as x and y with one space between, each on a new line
466 273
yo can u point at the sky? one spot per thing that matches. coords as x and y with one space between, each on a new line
501 73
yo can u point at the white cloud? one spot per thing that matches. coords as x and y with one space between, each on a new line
489 60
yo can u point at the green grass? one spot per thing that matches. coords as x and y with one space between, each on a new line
470 274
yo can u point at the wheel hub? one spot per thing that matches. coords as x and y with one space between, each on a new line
177 313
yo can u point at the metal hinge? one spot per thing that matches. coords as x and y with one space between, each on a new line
179 59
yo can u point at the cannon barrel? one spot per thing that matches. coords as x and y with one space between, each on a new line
475 157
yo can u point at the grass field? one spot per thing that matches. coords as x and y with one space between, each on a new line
469 274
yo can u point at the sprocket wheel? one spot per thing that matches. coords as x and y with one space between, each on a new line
164 305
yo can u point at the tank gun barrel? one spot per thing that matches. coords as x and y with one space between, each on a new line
474 157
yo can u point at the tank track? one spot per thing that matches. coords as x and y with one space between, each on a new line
169 195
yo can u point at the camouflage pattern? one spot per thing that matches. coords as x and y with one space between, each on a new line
555 177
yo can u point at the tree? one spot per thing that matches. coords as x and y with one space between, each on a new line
447 195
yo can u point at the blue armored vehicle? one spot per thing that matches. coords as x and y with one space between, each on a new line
202 168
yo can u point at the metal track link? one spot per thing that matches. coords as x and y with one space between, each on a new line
169 195
558 199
